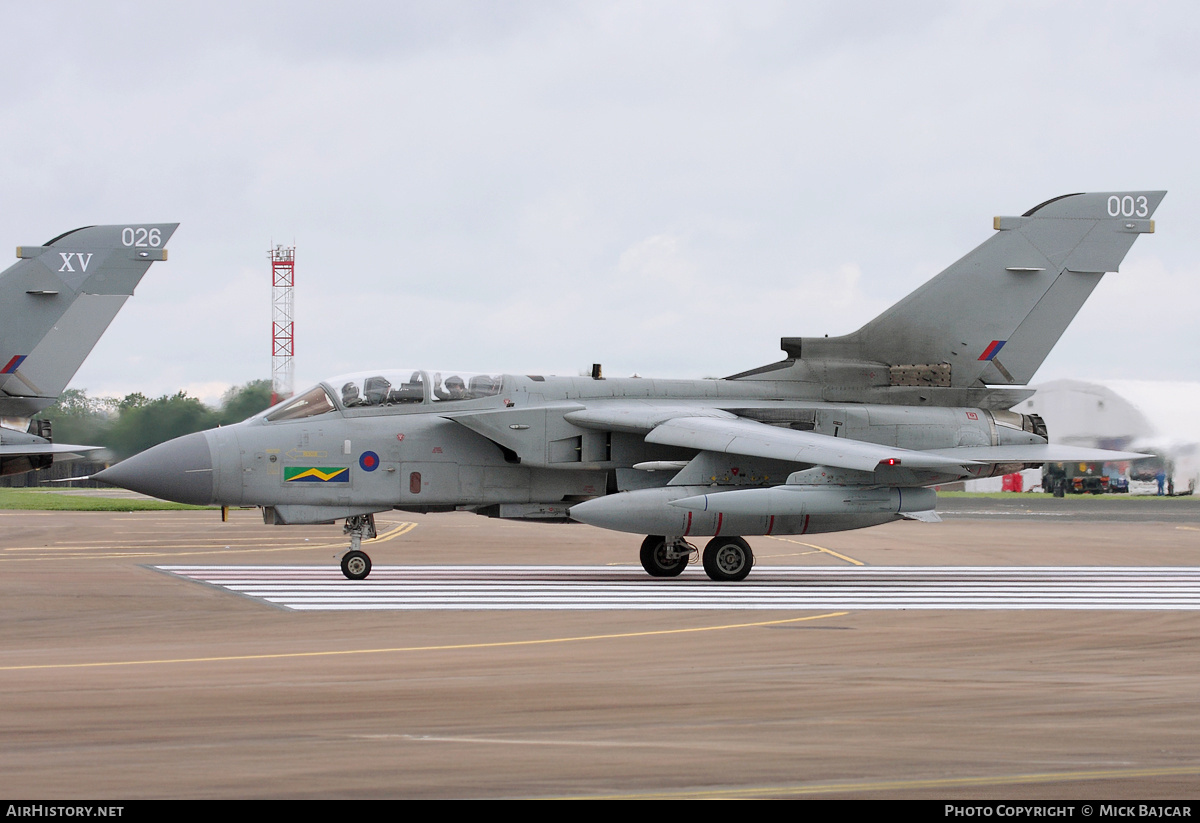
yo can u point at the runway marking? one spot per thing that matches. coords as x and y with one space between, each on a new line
523 588
453 647
62 550
849 787
850 560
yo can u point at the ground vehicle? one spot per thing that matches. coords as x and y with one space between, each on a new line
1075 478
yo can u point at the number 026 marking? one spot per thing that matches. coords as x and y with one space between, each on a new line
1127 206
142 237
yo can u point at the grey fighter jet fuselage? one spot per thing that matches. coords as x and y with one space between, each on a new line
843 433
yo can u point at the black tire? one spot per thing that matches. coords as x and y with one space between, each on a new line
728 559
655 561
356 565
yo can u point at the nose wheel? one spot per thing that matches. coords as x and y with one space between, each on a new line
356 565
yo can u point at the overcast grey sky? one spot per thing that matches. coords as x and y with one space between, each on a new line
666 188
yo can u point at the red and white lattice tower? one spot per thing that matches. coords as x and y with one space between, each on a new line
283 312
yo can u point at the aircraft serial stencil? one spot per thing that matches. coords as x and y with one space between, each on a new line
843 433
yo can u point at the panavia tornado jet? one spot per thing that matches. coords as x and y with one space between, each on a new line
55 302
843 433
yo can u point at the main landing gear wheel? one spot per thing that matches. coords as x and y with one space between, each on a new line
356 565
728 558
660 559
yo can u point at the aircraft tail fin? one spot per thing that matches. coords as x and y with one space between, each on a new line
58 299
993 317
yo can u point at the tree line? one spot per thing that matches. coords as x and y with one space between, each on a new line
134 423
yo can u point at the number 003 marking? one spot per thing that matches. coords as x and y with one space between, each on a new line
1128 206
142 237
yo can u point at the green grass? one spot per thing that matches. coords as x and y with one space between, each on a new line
38 500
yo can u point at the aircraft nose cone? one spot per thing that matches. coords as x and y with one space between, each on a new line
180 470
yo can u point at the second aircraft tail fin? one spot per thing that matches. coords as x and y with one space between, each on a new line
58 299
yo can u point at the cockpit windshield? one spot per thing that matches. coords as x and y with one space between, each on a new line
465 385
381 388
387 388
411 386
313 402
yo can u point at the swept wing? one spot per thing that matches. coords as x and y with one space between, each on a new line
716 430
754 439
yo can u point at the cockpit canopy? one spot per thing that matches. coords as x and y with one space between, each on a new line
387 388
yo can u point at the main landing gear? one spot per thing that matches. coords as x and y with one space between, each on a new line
356 565
665 557
725 558
728 558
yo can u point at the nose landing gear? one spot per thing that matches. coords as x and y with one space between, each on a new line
356 565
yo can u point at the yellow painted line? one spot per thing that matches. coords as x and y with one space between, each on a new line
122 514
113 552
820 549
143 542
401 528
169 518
1188 528
399 649
849 787
83 549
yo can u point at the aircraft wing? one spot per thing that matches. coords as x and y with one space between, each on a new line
1035 453
640 418
754 439
716 430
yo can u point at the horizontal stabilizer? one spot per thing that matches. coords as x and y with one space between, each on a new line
18 458
37 449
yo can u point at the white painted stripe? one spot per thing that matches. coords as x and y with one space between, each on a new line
772 587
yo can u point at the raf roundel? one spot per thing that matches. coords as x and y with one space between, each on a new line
369 461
